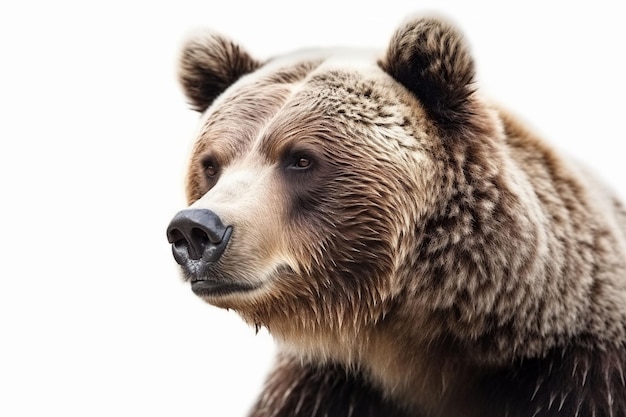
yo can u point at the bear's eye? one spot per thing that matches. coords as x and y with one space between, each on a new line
302 163
210 169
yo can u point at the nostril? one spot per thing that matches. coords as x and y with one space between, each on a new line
200 235
174 235
199 242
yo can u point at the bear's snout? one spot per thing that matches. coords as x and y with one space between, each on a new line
197 234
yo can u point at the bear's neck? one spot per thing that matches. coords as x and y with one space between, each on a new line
417 374
420 375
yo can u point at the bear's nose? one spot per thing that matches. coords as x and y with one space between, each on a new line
196 234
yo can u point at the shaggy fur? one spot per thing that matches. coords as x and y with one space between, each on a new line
414 250
210 64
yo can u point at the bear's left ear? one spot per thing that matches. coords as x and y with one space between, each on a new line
431 59
209 64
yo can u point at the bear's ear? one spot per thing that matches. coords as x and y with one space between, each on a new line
209 64
431 59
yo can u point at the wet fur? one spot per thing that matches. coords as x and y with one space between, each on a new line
443 261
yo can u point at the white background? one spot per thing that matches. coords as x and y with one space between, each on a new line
94 137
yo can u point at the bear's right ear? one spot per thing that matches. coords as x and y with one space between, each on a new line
209 64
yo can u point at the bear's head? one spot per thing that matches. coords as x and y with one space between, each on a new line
333 193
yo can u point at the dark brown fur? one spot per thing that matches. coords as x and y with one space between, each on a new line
208 65
321 390
431 59
436 259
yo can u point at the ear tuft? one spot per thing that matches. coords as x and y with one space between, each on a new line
431 59
209 64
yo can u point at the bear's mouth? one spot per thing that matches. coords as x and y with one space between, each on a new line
214 288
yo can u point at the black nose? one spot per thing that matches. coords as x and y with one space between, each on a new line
196 234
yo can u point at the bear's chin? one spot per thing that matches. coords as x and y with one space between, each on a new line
240 298
227 287
244 292
207 288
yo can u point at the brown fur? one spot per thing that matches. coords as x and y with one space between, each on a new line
436 255
208 65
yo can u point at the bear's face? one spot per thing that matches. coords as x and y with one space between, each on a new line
318 172
313 164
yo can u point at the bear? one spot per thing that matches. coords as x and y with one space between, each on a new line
413 248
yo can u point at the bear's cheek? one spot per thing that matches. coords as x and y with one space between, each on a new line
340 237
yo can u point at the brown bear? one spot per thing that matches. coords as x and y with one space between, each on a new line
413 249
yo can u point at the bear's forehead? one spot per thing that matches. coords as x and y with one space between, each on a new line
313 82
346 91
